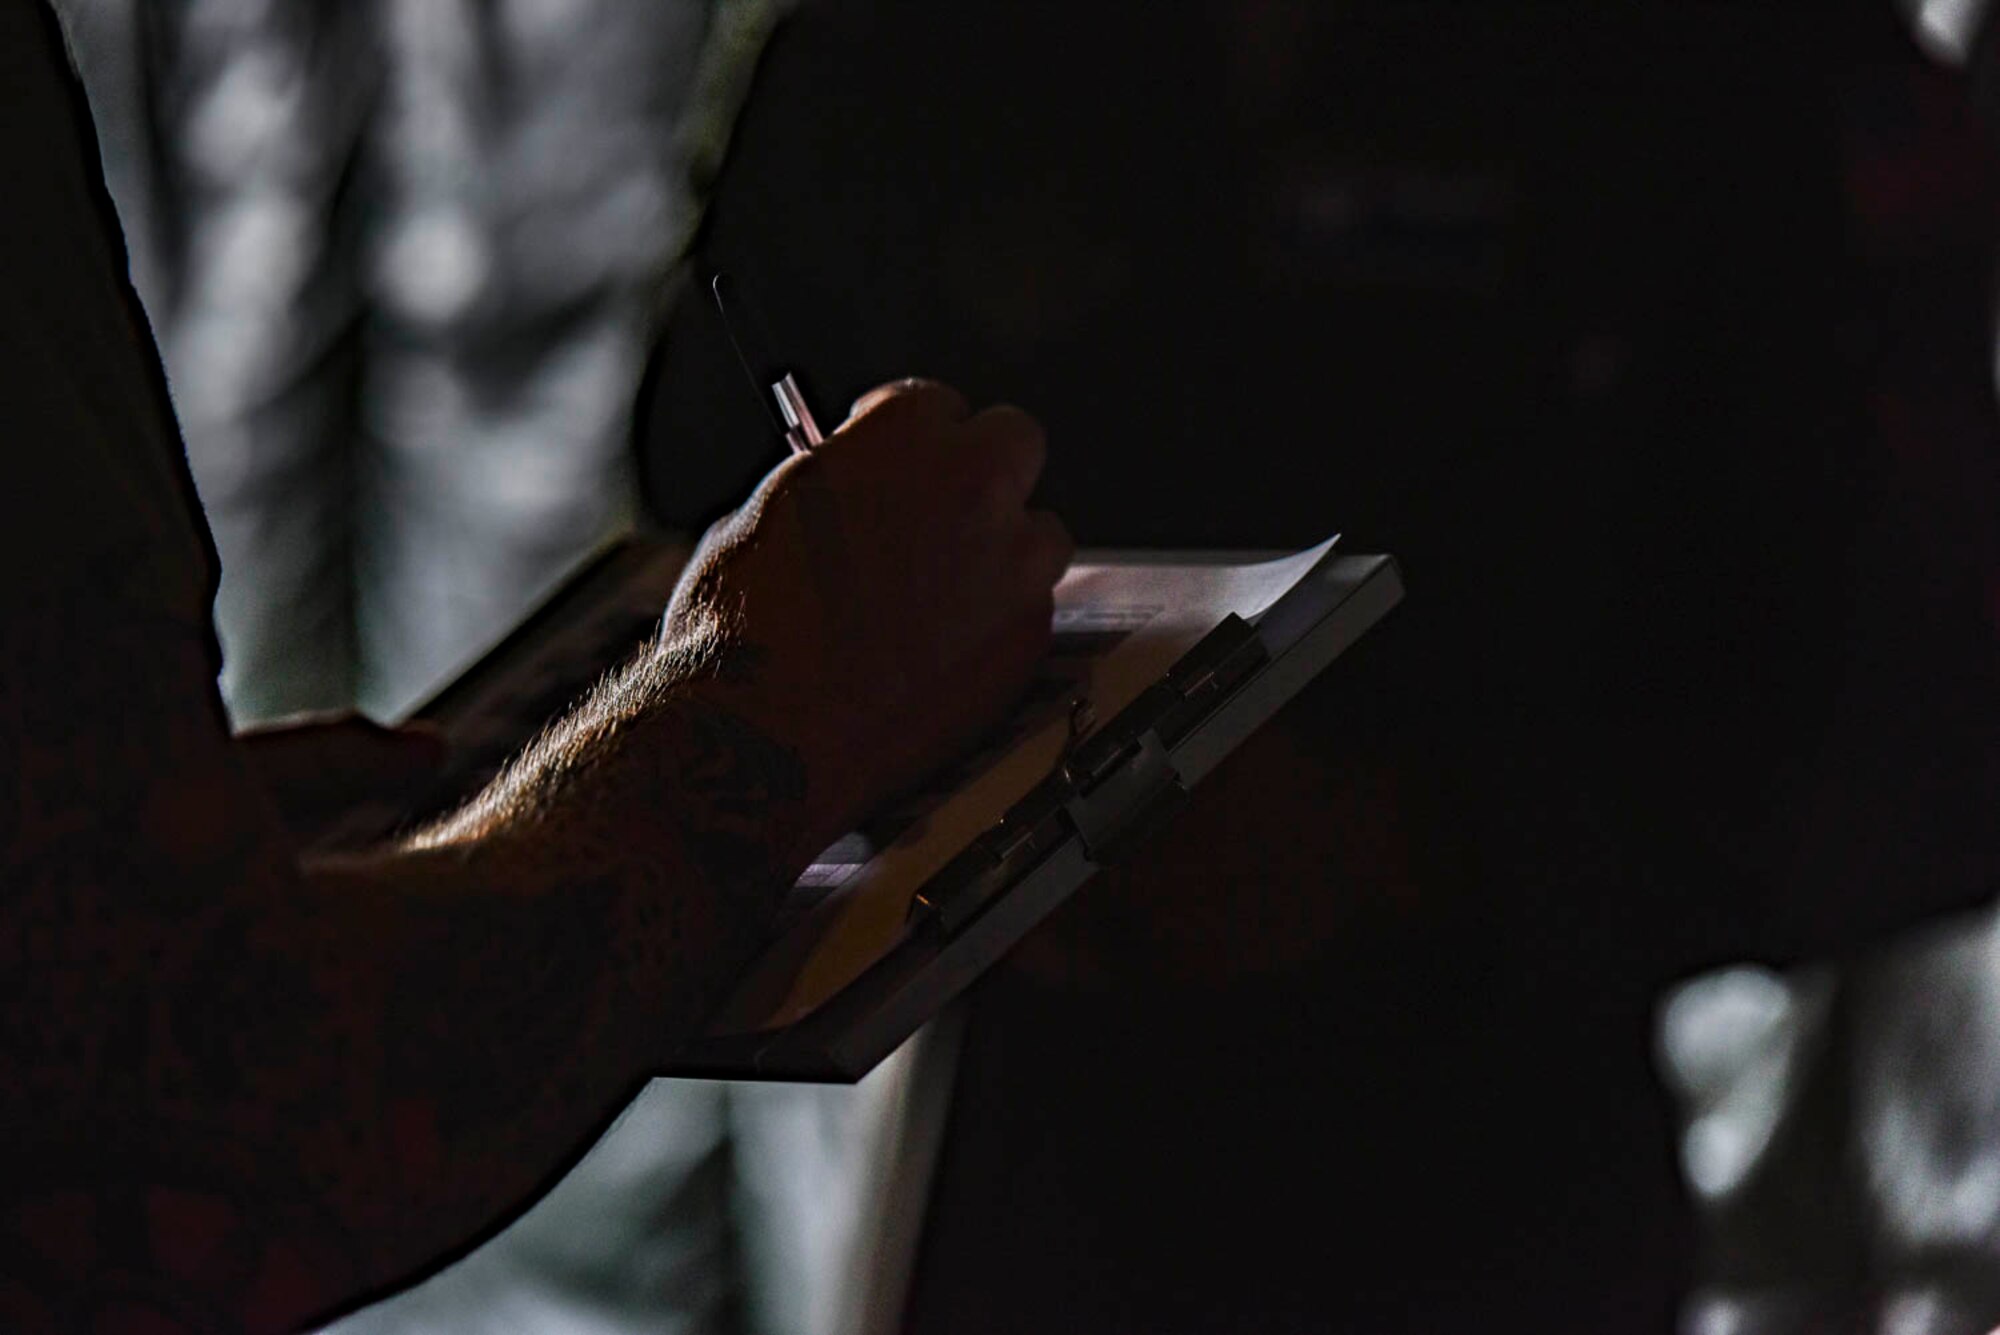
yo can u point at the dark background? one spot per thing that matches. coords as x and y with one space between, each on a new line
1587 313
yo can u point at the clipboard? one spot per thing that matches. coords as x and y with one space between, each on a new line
1103 802
1105 796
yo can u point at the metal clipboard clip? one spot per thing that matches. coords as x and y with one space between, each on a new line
1112 790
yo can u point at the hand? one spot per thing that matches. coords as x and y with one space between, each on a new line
315 768
880 601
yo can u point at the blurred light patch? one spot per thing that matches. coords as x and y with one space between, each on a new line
434 265
1946 28
1730 1046
246 114
1925 1312
1710 1312
1927 1077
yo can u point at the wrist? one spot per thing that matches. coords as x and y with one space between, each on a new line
739 749
646 773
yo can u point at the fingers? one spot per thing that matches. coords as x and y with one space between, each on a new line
1046 549
990 676
914 402
995 456
1005 449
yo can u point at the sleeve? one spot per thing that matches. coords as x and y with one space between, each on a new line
97 496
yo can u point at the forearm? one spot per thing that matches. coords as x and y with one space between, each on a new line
351 1069
341 1070
524 971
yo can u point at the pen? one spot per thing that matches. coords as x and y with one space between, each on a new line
749 336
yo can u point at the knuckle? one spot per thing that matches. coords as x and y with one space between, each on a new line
970 479
936 391
914 392
992 492
1015 432
1050 546
1010 420
1004 449
802 471
1061 541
